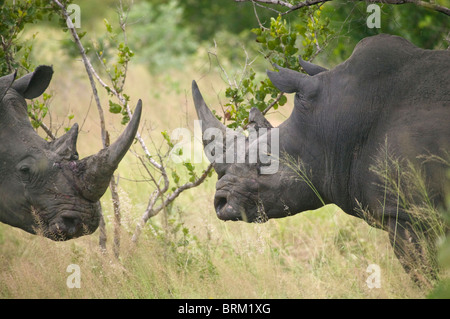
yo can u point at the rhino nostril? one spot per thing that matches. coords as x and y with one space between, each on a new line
220 203
71 225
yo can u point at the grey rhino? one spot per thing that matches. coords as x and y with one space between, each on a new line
44 187
388 96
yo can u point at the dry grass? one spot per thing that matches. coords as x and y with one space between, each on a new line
322 254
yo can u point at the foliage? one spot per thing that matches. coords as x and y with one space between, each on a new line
114 57
425 28
281 44
16 53
212 17
333 29
158 36
182 257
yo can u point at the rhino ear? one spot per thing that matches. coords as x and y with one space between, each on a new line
66 145
257 120
290 81
310 68
34 84
5 83
287 80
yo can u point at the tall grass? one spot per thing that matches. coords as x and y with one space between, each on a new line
320 254
404 183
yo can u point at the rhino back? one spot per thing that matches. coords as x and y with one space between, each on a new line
388 89
395 98
388 72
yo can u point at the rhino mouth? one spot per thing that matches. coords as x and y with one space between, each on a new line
66 225
69 225
229 208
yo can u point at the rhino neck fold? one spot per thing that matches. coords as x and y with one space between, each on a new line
304 165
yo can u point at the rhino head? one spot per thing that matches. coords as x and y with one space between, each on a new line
44 187
261 189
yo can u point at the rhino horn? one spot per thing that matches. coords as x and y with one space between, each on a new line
310 68
204 113
96 170
66 145
290 81
257 120
208 122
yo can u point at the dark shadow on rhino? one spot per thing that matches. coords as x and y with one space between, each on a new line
45 188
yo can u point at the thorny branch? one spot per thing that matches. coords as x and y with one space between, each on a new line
301 4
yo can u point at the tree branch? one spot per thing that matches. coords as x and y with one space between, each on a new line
89 69
151 211
43 126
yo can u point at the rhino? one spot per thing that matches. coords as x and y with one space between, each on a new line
389 97
44 187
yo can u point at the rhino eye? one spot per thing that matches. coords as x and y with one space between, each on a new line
74 157
24 170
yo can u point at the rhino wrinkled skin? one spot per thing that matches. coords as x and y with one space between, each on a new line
44 187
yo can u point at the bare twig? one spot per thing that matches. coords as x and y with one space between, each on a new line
267 109
89 70
151 211
257 17
92 73
290 7
214 54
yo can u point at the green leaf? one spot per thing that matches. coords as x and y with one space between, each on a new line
189 166
167 138
283 100
125 119
176 177
114 107
107 25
